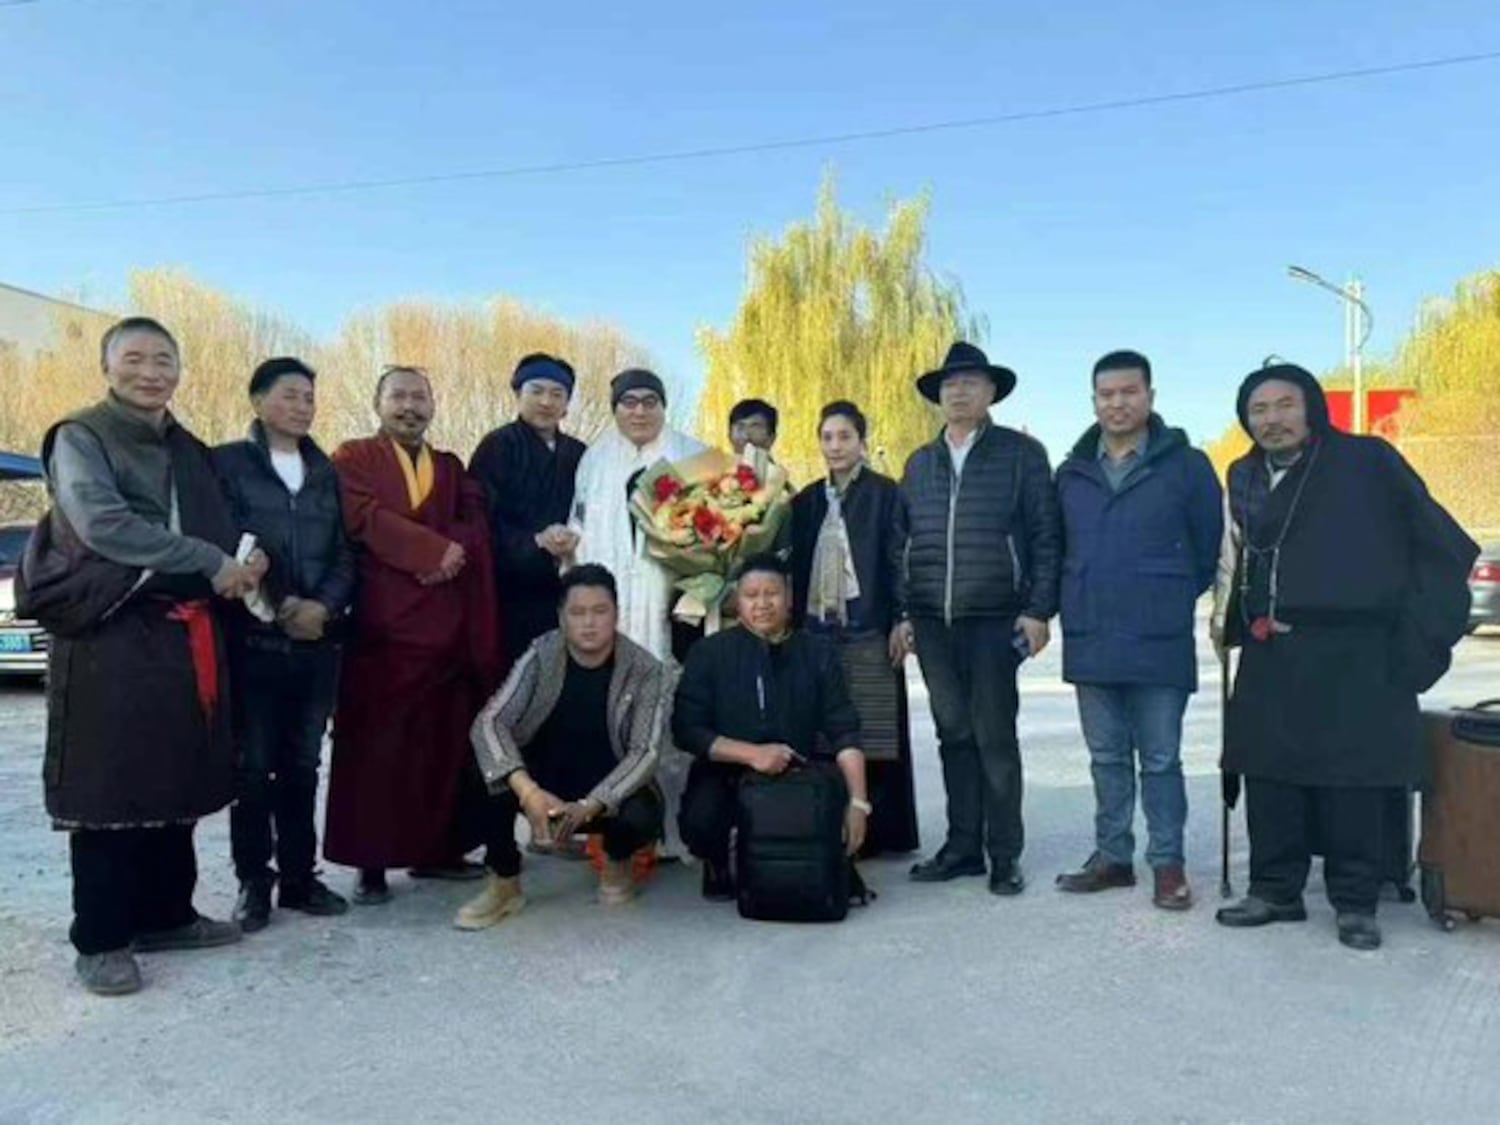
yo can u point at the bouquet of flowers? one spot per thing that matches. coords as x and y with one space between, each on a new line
702 516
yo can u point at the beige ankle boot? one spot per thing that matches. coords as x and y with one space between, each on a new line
616 882
499 899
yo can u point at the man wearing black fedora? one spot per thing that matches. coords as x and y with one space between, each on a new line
983 562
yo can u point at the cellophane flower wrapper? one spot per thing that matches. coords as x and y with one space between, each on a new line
704 515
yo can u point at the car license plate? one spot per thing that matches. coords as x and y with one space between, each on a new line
15 642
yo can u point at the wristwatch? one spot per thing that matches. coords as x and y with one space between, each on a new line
863 806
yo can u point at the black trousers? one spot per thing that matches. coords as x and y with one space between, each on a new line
710 808
636 823
1287 822
130 881
970 670
283 698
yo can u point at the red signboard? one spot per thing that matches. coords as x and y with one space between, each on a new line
1382 410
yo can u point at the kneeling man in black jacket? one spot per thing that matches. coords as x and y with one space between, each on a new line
282 489
759 697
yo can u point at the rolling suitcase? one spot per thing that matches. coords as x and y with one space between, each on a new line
789 850
1460 850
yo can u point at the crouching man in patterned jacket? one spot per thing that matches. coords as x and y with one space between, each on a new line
571 741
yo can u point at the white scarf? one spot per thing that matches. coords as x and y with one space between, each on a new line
607 535
834 581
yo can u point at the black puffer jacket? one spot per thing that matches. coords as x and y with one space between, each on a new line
988 544
311 557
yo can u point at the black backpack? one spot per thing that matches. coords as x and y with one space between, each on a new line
789 854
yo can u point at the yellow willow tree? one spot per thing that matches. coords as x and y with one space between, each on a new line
468 349
836 310
469 352
1451 431
222 339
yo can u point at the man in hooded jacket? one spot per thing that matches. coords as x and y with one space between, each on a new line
1345 584
1143 518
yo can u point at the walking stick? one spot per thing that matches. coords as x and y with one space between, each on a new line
1226 889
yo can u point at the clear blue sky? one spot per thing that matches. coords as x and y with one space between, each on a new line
1167 229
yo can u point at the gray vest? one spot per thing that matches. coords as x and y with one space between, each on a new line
137 452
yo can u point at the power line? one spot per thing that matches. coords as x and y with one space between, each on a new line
715 151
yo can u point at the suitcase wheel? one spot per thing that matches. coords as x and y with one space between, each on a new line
1473 917
1406 894
1445 923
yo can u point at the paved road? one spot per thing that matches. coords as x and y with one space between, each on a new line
938 1004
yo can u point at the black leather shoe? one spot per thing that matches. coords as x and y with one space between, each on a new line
252 910
718 883
945 866
372 889
1359 931
1007 880
310 896
1252 911
200 933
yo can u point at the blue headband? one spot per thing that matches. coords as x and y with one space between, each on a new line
543 368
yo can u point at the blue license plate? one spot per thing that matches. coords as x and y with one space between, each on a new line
15 642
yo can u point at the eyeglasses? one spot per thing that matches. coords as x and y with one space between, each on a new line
640 402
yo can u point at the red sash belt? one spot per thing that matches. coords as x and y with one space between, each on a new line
199 619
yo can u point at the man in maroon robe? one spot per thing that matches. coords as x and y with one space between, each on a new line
403 790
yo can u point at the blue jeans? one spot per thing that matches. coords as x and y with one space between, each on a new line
1119 722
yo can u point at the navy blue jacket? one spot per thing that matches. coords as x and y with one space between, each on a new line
1136 561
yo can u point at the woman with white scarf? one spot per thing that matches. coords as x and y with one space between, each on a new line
848 537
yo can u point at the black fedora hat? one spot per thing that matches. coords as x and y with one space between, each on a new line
966 359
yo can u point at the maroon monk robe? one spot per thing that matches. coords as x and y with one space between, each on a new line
420 664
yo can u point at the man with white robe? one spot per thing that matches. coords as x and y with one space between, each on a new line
607 534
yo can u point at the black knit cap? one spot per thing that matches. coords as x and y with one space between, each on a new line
635 379
267 373
1317 402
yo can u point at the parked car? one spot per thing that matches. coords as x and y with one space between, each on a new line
1484 589
23 644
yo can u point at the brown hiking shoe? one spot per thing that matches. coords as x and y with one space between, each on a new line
1172 890
500 898
1097 875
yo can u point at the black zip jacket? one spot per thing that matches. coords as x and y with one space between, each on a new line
736 685
303 534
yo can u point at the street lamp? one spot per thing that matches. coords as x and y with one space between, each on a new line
1359 322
